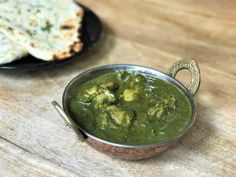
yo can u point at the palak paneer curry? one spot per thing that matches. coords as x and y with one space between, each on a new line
130 108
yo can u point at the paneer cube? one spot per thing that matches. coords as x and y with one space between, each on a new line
91 91
119 116
162 108
130 94
103 98
103 120
108 85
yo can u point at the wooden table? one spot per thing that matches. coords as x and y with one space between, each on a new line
34 140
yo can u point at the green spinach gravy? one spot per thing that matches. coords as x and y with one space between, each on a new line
130 108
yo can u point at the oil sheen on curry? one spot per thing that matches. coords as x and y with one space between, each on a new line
130 108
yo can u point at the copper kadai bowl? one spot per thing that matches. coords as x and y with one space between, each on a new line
124 151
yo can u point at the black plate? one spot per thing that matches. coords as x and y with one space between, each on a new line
91 31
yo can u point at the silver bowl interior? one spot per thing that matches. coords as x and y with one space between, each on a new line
71 90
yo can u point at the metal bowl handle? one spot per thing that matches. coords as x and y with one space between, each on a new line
69 121
193 67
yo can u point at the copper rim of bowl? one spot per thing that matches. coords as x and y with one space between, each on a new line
96 71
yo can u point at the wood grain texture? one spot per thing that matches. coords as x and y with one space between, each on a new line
34 141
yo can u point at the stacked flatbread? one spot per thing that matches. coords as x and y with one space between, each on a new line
46 29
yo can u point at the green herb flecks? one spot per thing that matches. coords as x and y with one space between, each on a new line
31 33
47 28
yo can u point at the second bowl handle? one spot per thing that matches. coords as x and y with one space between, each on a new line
68 120
193 67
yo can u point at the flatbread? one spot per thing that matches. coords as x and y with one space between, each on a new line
47 29
9 50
